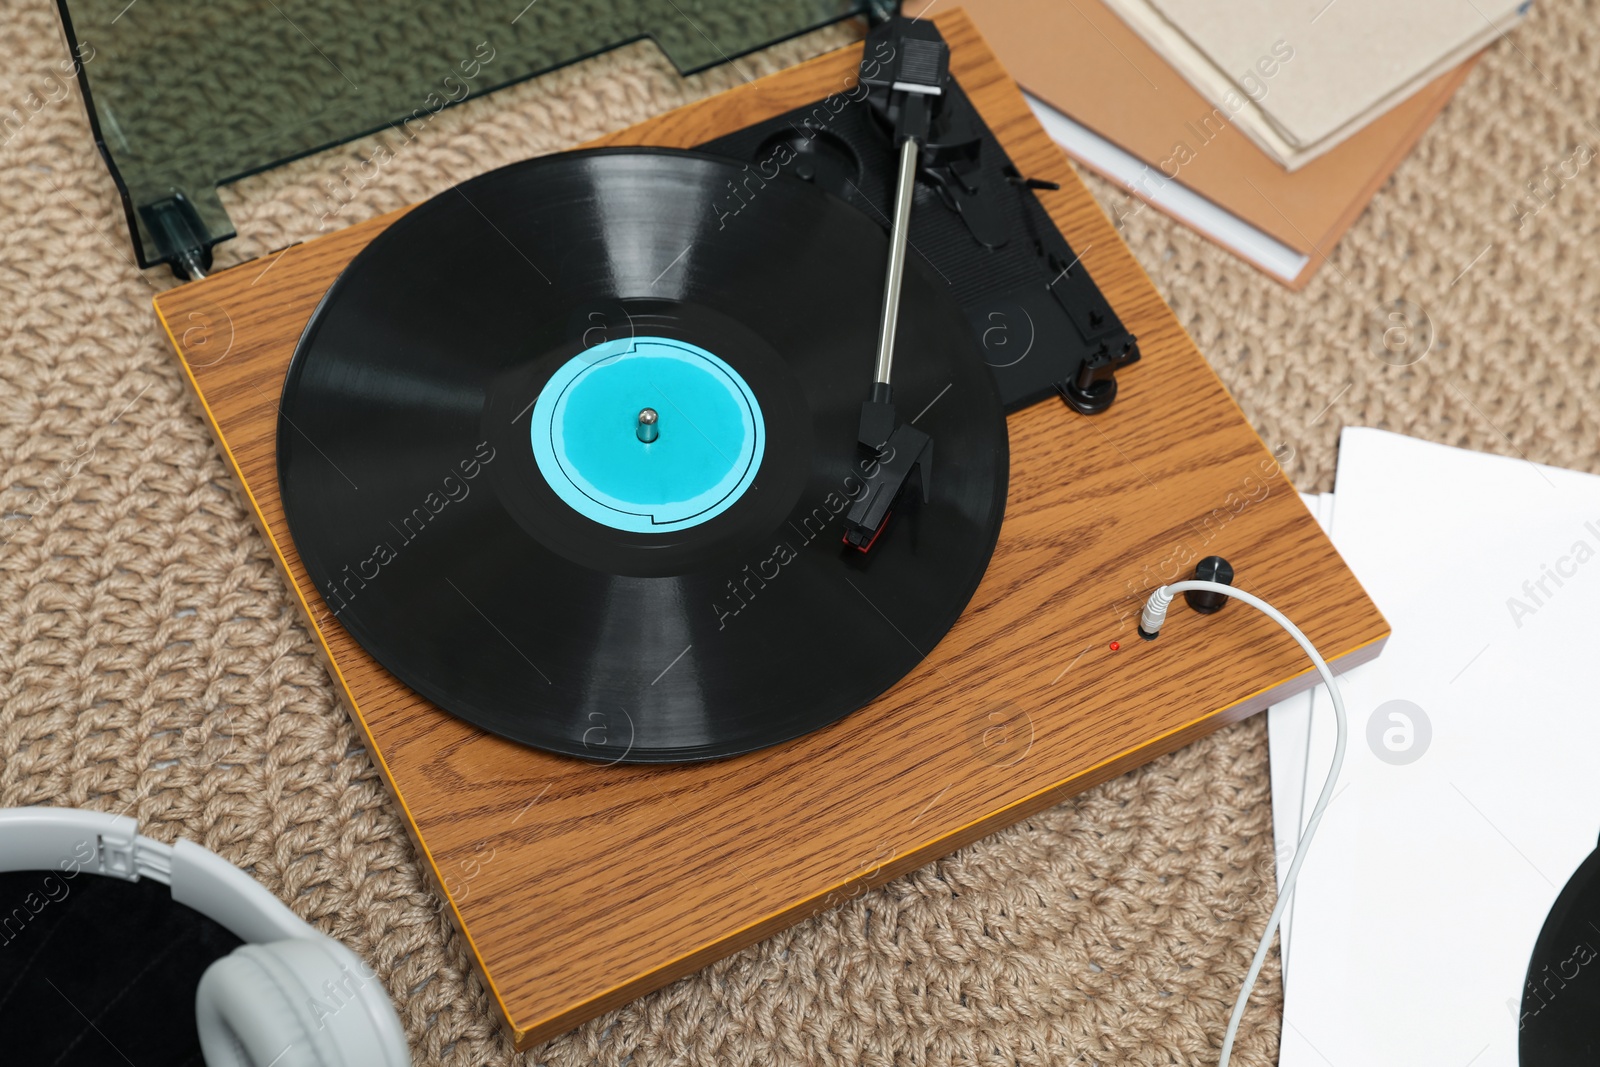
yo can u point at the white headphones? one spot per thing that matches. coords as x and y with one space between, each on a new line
289 997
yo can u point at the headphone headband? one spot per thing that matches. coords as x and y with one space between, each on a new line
68 839
62 839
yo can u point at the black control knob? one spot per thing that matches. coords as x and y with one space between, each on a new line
1094 387
1210 569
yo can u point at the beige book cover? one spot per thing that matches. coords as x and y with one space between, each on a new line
1314 71
1080 58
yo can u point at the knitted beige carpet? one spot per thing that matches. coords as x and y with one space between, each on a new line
151 663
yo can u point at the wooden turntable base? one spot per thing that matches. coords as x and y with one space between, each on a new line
580 887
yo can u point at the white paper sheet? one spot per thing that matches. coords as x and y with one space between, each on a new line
1429 880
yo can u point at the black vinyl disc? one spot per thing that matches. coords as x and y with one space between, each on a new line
456 364
1560 1020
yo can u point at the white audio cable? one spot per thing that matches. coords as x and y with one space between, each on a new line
1150 621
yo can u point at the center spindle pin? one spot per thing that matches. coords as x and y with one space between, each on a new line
648 430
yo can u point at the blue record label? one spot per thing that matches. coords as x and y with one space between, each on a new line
648 434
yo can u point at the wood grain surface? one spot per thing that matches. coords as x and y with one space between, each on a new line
580 887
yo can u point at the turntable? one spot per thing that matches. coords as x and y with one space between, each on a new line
668 614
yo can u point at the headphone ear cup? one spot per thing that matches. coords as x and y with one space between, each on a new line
253 1008
301 1003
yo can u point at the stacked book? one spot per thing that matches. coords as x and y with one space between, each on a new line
1265 126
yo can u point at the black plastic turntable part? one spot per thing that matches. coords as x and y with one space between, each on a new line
1094 387
908 456
819 157
1035 183
1210 569
911 94
913 79
1033 307
877 417
181 237
909 100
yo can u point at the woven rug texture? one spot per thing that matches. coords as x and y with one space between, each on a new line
151 661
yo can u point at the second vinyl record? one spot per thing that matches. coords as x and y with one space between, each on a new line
470 485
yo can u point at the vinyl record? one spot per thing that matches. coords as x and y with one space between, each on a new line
468 481
1559 1024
